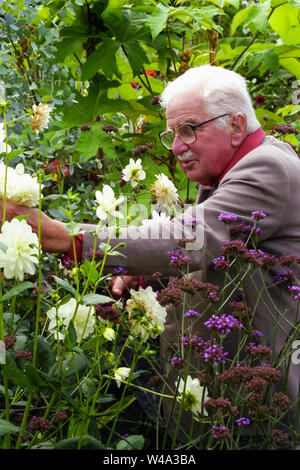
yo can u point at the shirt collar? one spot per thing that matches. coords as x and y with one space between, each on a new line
250 143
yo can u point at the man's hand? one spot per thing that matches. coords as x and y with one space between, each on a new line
121 284
55 238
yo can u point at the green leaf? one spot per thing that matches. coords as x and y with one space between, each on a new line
34 377
289 110
136 57
114 410
253 15
239 19
285 22
45 357
90 141
87 108
6 427
83 442
133 442
268 58
258 16
103 58
16 290
292 65
94 299
65 285
71 336
93 343
272 118
158 20
12 372
76 366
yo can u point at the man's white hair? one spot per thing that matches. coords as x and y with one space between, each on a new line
221 90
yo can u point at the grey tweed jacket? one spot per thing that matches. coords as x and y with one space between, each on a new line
266 179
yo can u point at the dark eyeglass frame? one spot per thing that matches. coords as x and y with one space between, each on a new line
192 126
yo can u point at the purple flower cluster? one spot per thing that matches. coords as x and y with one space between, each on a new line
220 432
67 263
196 342
284 277
192 222
120 270
221 404
38 423
25 354
259 351
295 291
215 354
244 229
257 215
257 333
191 314
177 259
244 374
108 312
233 248
61 416
177 362
242 421
209 350
227 217
221 264
223 324
286 260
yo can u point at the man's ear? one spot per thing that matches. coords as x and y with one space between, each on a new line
239 129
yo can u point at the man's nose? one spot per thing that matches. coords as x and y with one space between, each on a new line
179 146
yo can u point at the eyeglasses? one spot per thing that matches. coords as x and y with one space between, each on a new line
186 133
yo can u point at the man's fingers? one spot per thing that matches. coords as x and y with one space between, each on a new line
119 284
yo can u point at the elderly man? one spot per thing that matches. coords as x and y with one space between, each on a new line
218 142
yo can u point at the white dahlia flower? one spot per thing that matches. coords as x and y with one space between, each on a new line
133 172
145 314
21 188
41 117
193 396
164 191
121 374
83 321
20 256
107 203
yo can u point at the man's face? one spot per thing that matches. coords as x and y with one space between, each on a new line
205 159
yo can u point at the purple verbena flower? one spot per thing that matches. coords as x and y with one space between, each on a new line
214 353
191 313
257 215
119 270
223 324
221 264
193 221
227 217
177 362
257 333
220 432
177 259
242 421
284 277
296 292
